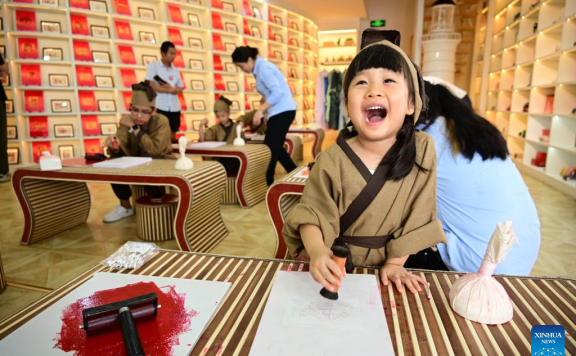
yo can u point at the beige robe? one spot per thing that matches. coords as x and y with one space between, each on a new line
217 133
406 208
153 141
247 119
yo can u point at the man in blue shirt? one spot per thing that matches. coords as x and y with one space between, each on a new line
165 79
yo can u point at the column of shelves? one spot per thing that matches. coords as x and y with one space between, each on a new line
114 40
531 94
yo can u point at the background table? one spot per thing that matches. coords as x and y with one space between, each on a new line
417 326
54 201
281 197
318 135
251 180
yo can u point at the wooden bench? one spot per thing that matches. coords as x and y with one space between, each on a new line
154 219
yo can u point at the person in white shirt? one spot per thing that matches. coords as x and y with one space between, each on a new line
165 79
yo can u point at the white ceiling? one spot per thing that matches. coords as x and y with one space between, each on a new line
326 10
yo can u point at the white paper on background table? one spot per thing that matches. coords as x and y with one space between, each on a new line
202 296
208 144
123 162
297 320
303 173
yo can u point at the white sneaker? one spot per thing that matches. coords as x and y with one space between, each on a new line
119 213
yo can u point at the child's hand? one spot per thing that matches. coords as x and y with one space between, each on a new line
204 122
324 270
400 276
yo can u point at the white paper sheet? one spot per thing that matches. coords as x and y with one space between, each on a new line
122 162
202 296
303 173
297 320
208 144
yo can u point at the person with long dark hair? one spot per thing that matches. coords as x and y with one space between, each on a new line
279 105
374 191
478 187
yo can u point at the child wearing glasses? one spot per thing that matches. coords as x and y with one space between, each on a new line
142 133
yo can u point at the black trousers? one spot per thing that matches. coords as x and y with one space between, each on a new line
173 118
3 138
278 126
426 259
123 191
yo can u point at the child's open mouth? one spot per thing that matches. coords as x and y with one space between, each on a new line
375 114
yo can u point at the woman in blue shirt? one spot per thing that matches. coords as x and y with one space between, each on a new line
279 105
478 186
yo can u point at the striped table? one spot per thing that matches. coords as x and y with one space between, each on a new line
417 326
281 197
54 201
318 135
251 180
292 143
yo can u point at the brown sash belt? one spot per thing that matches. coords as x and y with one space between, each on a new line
372 242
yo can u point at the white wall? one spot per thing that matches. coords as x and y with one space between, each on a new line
399 16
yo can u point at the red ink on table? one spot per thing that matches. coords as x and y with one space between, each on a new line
158 335
289 268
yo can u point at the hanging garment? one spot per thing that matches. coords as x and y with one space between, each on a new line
320 105
334 94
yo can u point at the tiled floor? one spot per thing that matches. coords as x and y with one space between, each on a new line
53 261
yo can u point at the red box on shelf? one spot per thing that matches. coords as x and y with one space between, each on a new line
87 101
183 125
549 106
82 51
79 25
218 63
247 103
219 83
127 55
34 101
247 30
179 60
127 97
246 9
38 126
123 30
90 125
92 145
123 7
26 21
128 77
183 81
540 160
31 75
175 14
217 43
183 105
80 4
38 148
27 48
217 4
217 21
175 36
85 77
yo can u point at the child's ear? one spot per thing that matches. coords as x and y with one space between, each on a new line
410 109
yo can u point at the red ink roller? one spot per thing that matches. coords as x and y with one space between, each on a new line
339 255
124 315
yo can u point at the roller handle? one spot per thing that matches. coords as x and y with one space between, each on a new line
130 333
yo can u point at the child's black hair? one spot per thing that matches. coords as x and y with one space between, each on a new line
468 132
242 53
402 155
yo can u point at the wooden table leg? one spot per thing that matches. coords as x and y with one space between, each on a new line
50 206
204 225
318 140
252 184
279 201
